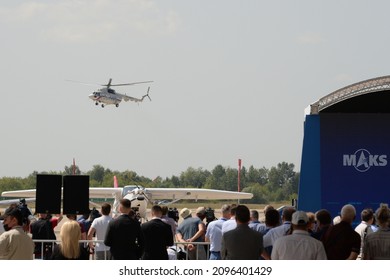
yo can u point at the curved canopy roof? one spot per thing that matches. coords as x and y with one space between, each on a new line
369 96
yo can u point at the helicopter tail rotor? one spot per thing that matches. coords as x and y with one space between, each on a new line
147 94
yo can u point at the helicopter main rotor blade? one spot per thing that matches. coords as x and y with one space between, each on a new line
130 84
83 83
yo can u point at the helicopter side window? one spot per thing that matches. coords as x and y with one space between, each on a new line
111 90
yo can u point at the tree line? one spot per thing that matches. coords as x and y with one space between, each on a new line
277 183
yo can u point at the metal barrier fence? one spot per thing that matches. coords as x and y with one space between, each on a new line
177 251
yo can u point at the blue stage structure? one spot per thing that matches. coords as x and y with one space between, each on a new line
346 149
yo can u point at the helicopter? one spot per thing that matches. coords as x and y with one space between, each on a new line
108 96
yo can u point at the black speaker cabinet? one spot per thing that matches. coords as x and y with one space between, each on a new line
75 194
48 194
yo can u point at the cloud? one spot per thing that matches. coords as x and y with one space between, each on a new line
310 39
75 21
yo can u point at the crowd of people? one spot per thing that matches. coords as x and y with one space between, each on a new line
238 234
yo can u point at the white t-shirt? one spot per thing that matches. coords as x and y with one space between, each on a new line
100 225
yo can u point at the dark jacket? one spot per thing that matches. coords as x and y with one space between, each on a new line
124 238
42 230
158 235
242 243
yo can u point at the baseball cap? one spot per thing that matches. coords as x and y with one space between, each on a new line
299 218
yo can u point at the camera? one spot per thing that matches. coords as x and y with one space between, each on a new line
173 213
209 212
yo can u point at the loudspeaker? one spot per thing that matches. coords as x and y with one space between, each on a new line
48 194
76 194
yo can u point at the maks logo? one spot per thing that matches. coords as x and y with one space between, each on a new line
363 160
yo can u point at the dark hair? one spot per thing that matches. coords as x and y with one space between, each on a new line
287 213
233 209
71 216
125 202
255 214
106 209
383 214
367 214
16 213
272 218
164 210
323 217
156 209
242 214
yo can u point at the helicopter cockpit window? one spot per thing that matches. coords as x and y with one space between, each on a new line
111 90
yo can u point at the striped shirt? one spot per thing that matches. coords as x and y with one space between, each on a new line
377 244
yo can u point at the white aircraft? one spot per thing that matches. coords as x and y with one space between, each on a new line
108 96
140 197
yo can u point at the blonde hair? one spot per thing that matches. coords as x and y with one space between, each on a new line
70 235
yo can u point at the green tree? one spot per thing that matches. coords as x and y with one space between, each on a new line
68 170
281 179
260 193
194 177
97 173
217 178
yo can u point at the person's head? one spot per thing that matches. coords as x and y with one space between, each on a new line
185 213
106 209
156 211
383 215
242 214
272 218
72 217
70 235
201 212
367 215
225 210
96 214
12 217
124 206
233 208
348 213
254 216
323 218
299 220
267 207
42 216
287 214
164 210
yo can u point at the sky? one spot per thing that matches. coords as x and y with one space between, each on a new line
231 79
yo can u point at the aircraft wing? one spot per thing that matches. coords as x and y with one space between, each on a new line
93 193
104 192
20 193
184 193
8 202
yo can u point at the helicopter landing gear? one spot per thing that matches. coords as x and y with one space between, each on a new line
96 103
117 105
102 105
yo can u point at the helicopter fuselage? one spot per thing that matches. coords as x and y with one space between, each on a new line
106 97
